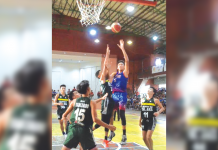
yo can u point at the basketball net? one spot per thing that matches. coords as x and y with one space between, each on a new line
90 11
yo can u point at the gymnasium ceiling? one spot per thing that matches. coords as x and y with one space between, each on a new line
143 21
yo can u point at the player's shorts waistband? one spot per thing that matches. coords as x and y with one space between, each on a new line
118 92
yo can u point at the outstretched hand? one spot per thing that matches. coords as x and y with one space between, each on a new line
121 46
112 128
108 50
107 57
156 114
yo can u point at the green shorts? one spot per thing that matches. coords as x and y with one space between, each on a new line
78 134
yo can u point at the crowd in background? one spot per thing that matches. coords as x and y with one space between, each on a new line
135 101
54 92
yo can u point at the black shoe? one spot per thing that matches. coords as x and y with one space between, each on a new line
111 136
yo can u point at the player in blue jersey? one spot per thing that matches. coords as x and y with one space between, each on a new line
119 85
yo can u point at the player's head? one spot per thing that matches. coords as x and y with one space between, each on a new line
98 74
74 95
152 91
63 88
121 65
83 87
31 80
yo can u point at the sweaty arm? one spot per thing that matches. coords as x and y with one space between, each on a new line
69 109
5 118
160 105
56 99
112 75
105 69
97 120
121 46
140 121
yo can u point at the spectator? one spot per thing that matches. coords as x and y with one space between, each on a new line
131 101
99 94
68 92
6 82
91 94
74 89
53 93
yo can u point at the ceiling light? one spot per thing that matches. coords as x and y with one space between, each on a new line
93 32
108 27
130 8
97 41
155 38
129 42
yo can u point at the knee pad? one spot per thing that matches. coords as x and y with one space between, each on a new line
123 117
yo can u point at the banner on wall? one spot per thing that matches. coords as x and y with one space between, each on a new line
156 69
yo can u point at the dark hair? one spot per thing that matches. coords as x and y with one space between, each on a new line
121 61
62 85
155 92
71 94
83 86
97 73
29 78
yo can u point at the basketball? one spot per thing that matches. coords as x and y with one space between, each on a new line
116 27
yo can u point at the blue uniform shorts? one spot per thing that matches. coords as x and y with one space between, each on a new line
120 97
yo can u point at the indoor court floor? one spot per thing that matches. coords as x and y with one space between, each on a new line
134 137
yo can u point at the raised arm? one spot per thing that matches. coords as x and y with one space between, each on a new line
105 69
98 121
160 105
113 74
121 46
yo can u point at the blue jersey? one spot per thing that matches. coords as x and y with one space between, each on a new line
119 82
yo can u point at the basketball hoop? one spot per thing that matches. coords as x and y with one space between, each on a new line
90 11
